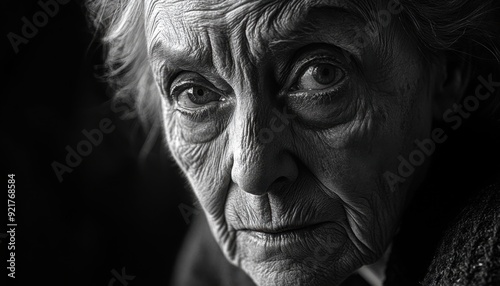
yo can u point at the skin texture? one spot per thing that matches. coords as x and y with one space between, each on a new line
324 162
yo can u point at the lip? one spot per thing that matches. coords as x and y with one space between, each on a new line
285 231
288 243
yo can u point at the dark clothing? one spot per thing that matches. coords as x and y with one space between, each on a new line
470 251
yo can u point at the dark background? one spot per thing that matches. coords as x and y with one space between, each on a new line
116 210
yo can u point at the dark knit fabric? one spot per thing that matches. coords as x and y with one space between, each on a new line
470 251
433 236
466 164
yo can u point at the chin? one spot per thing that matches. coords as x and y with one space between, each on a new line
281 273
318 256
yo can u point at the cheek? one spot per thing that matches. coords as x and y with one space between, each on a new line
385 124
357 151
351 160
205 165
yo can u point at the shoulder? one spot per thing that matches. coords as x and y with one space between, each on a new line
469 253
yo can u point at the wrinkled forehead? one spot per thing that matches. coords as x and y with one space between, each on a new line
221 31
259 19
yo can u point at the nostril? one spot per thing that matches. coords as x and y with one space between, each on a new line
280 181
262 172
279 184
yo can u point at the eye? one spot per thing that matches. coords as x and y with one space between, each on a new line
191 92
201 106
195 96
318 76
316 86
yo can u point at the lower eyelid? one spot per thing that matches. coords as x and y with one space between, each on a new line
315 95
203 113
325 119
338 97
195 114
301 100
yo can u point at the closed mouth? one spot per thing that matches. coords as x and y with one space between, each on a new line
285 230
278 243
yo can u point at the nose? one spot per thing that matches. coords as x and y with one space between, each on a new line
259 164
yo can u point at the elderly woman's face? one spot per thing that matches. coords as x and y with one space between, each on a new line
284 125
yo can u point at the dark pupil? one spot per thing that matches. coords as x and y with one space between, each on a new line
324 73
200 95
200 92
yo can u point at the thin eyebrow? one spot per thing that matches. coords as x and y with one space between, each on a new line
359 11
159 52
304 27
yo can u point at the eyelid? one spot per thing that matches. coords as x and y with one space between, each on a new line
190 79
212 83
310 51
300 67
189 84
307 62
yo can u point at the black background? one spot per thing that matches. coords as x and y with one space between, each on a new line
116 210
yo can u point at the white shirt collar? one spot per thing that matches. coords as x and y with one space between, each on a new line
374 273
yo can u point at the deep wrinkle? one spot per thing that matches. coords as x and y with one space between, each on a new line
275 186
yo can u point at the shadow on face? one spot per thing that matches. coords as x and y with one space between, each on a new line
284 117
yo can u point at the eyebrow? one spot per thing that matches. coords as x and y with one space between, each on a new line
164 57
188 56
302 29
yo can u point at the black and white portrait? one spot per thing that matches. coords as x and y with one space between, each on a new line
253 142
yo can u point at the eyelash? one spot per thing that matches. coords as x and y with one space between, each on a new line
307 62
202 112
